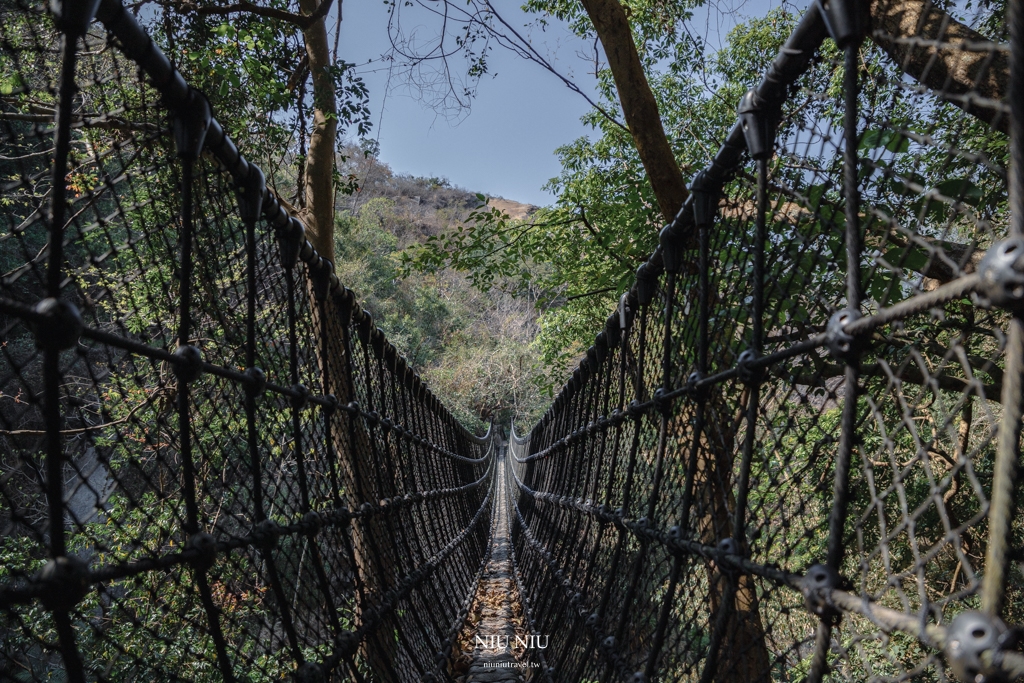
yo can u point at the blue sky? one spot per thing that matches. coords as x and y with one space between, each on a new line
505 144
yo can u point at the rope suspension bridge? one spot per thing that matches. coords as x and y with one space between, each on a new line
789 454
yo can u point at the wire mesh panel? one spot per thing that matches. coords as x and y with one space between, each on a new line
213 465
791 451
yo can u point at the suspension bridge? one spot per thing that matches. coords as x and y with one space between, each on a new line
790 453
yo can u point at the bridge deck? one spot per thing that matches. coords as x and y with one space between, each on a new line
495 620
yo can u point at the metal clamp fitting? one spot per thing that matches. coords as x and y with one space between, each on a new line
302 396
309 673
747 374
844 20
191 122
729 546
816 586
662 402
345 300
759 125
378 342
705 199
189 363
1002 276
635 409
690 388
289 241
257 381
971 634
842 345
266 534
74 16
601 347
60 325
67 582
646 283
205 548
250 192
364 328
346 643
671 242
320 276
612 331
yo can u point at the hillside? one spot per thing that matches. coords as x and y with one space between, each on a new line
474 349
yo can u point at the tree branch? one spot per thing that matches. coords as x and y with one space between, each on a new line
597 238
638 105
527 51
593 293
303 21
907 375
948 57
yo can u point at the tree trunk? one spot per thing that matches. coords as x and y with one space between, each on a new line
354 445
743 656
946 68
638 105
318 214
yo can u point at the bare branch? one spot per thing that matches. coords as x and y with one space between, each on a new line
302 21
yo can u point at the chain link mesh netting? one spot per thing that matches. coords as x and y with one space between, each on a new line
213 466
791 451
771 464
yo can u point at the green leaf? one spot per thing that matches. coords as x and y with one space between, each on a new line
814 194
896 142
961 189
870 139
913 258
891 140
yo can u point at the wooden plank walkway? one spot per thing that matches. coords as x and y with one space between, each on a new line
489 638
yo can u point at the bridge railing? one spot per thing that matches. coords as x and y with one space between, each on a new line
213 465
791 451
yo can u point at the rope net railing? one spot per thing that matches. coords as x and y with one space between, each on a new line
790 454
213 465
